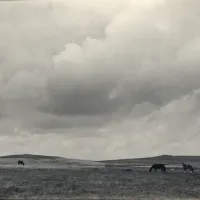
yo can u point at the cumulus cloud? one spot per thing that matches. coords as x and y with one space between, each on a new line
172 129
142 54
115 73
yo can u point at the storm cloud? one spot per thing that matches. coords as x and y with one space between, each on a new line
123 75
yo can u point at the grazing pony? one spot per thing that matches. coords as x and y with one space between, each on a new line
20 162
158 166
186 167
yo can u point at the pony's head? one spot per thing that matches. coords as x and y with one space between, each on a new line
150 169
184 165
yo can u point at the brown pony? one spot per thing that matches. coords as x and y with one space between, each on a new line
158 166
186 167
20 162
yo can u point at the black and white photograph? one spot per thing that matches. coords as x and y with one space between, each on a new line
100 99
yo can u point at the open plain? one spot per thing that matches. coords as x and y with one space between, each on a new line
44 177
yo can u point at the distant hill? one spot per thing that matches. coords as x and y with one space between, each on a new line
44 160
30 156
161 157
47 161
165 159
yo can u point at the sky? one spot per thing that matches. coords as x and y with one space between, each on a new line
100 79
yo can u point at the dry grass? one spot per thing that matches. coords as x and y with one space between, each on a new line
97 184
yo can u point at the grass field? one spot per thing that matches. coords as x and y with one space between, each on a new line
109 182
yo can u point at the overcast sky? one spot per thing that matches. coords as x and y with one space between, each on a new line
98 79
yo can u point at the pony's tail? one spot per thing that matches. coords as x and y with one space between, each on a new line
150 169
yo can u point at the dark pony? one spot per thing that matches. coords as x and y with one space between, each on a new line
158 166
20 162
186 167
